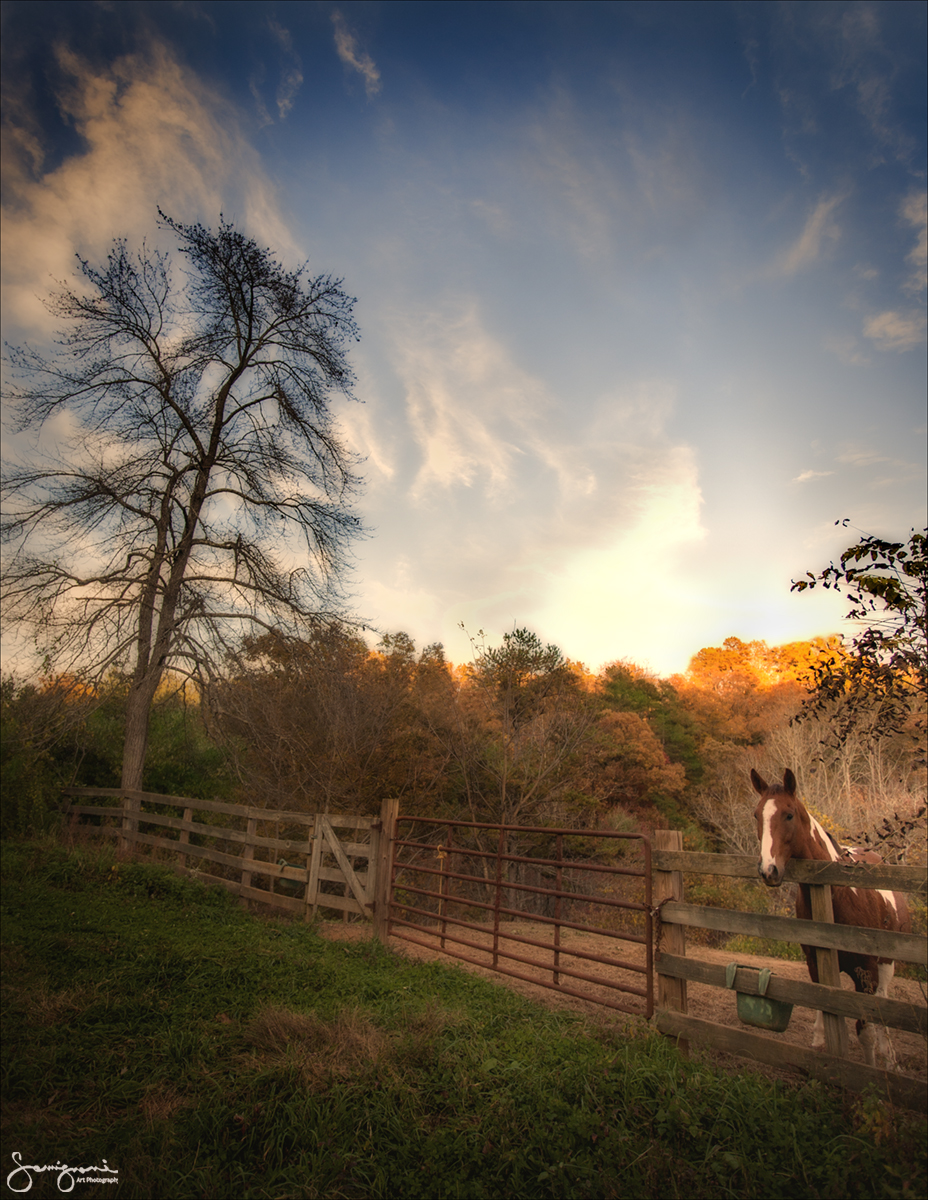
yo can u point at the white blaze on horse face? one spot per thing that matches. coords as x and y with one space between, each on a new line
766 836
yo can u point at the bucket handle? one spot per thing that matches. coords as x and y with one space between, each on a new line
762 981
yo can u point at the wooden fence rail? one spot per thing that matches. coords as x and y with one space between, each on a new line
322 843
675 968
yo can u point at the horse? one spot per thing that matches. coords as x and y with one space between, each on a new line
786 829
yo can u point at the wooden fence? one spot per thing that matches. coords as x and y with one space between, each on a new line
300 862
675 967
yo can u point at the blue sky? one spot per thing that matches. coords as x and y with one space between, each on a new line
641 287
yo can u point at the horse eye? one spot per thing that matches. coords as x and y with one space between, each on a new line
789 816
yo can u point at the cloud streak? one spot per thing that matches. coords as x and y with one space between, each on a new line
806 476
346 45
808 246
291 78
915 213
894 330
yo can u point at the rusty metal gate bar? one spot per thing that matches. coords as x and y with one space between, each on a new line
402 916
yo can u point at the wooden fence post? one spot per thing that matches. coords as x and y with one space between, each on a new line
828 972
131 807
315 863
389 811
248 854
185 837
668 885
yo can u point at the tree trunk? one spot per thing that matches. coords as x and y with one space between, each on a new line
138 707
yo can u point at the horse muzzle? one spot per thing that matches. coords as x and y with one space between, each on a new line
772 876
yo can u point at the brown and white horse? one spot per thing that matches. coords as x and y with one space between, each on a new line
786 829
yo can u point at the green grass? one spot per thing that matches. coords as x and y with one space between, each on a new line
205 1052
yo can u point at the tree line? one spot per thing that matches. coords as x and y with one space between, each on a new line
520 735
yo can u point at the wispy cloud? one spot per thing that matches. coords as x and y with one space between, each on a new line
858 456
346 45
863 64
819 226
152 133
896 330
254 86
806 476
750 47
915 212
576 183
467 404
847 350
904 329
291 76
525 478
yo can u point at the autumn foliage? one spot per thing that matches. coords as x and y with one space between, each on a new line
519 734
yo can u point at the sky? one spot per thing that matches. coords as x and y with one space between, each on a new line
641 287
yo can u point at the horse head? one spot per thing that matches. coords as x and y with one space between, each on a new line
783 826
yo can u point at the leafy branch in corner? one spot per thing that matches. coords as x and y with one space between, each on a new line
879 677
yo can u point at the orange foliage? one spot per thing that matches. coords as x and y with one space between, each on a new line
626 765
68 687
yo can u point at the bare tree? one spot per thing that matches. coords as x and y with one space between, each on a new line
195 486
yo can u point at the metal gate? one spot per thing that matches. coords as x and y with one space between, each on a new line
568 906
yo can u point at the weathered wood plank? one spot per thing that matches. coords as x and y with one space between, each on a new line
342 903
283 816
774 1050
220 806
203 852
744 866
212 831
249 893
347 821
209 854
285 902
357 888
358 849
333 875
898 1014
906 947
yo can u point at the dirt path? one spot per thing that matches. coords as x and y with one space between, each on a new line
709 1003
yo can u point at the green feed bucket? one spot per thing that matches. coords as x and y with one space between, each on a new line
760 1011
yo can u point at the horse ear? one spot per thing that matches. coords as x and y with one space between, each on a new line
789 782
760 785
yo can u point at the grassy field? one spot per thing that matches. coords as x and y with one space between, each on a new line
204 1052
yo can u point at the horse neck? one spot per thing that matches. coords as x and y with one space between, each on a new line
815 843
